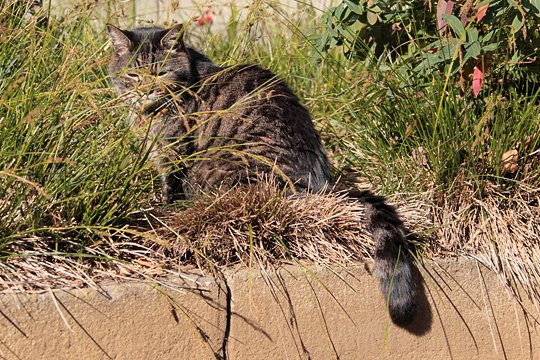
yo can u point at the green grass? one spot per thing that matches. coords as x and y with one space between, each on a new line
66 157
67 160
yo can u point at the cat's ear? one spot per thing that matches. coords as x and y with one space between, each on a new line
174 38
121 42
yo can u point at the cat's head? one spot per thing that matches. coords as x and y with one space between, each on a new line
149 63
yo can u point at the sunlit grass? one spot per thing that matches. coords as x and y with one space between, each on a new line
66 157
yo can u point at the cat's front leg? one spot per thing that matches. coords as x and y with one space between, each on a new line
171 187
171 175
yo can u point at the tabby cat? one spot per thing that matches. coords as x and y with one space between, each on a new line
239 122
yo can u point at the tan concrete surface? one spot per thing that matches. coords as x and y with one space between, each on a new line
296 313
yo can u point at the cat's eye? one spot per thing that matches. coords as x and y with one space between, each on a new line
133 76
162 73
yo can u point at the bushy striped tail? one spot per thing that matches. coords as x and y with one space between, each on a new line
393 263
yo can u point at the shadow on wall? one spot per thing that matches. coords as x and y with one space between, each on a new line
290 312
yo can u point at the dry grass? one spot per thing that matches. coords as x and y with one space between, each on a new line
501 230
259 226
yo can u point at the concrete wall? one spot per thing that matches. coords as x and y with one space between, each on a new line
296 313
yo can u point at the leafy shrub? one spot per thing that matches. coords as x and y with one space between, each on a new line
465 40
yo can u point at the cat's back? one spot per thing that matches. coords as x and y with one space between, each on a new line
252 109
244 82
263 103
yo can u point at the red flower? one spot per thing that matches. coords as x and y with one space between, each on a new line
206 18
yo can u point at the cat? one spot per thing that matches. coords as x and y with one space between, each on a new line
239 122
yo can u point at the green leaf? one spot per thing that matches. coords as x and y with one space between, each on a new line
371 18
455 24
490 47
430 60
482 3
345 15
472 34
471 51
356 8
375 9
474 49
337 11
447 52
488 36
516 24
323 40
357 27
536 4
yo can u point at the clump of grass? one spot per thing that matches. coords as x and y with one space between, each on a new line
260 224
66 159
439 138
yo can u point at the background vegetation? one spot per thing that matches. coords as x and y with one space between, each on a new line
400 111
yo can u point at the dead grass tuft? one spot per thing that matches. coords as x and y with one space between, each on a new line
260 223
499 229
260 226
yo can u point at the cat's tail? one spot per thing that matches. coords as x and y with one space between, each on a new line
394 266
